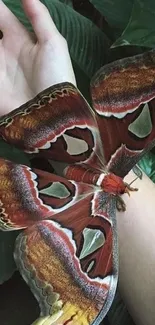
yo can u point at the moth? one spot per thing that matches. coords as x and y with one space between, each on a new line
68 252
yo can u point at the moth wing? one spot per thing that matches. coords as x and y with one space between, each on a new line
123 95
57 124
29 195
71 262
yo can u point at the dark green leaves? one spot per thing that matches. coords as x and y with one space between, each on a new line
141 26
13 154
116 12
134 19
7 265
67 2
7 239
147 164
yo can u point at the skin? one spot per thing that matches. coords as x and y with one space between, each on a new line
136 249
30 64
34 64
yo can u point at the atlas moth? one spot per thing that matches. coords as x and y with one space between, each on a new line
68 252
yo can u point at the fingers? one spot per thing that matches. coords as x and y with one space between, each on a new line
41 20
8 21
38 15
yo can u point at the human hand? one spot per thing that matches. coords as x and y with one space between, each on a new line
28 63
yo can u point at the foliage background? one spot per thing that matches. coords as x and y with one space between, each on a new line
98 32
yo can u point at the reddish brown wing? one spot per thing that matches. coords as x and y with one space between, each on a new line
71 262
57 124
126 126
30 195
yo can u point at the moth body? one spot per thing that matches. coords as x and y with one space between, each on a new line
113 184
109 182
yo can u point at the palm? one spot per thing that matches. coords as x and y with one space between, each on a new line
28 66
14 86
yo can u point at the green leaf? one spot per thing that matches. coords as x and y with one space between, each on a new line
67 2
147 164
116 12
83 81
141 27
87 44
7 264
7 239
11 153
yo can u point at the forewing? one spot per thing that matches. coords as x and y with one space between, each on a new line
120 91
70 262
30 195
57 124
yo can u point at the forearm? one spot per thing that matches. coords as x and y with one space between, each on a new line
136 229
